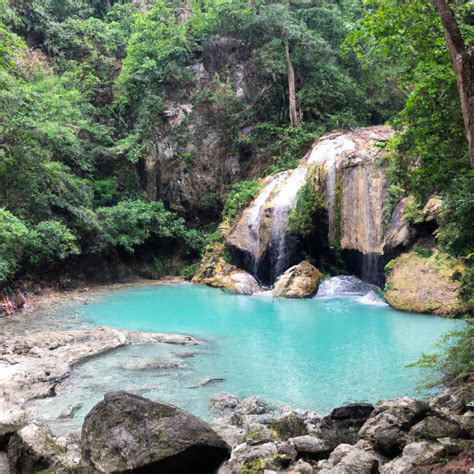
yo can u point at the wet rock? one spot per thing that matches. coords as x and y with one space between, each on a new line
349 459
208 381
229 278
186 355
70 411
437 426
223 401
299 281
34 449
241 282
310 446
415 456
125 432
152 364
342 424
424 284
387 428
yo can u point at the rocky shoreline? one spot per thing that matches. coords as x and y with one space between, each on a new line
128 433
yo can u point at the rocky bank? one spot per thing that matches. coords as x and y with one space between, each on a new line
128 433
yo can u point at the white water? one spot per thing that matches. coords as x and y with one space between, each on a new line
345 285
256 214
283 202
325 154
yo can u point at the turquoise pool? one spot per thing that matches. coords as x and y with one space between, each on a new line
313 354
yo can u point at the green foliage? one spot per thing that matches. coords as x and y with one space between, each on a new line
131 223
455 356
240 194
49 242
189 271
105 192
422 251
13 236
301 217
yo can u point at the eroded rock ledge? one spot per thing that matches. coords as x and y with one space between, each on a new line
32 364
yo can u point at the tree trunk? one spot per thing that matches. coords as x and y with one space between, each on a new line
463 64
294 116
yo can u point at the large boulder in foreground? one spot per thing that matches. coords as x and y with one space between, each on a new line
299 281
424 284
125 432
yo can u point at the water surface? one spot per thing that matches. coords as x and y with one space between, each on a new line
313 354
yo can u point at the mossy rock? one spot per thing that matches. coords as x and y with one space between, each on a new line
425 284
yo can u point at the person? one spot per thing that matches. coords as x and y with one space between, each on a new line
24 298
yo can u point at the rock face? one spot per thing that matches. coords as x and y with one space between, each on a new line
424 284
125 432
184 174
299 281
344 170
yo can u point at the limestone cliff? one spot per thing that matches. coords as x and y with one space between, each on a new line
345 170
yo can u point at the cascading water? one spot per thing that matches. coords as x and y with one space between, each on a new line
355 187
282 203
256 215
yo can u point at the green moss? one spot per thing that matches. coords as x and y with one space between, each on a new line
308 203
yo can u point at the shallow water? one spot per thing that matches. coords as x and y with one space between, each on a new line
313 354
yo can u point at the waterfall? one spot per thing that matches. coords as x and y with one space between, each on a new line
256 217
325 155
346 169
282 203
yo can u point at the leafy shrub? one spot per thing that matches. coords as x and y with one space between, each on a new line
105 192
13 236
239 196
455 356
50 242
189 271
131 223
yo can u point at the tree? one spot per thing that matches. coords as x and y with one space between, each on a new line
463 64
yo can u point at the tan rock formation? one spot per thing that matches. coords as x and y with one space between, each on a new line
299 281
424 285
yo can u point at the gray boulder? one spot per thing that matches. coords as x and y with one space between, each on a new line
415 456
350 459
387 428
437 426
125 432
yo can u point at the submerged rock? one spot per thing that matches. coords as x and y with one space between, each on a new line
299 281
424 284
125 432
239 281
153 364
